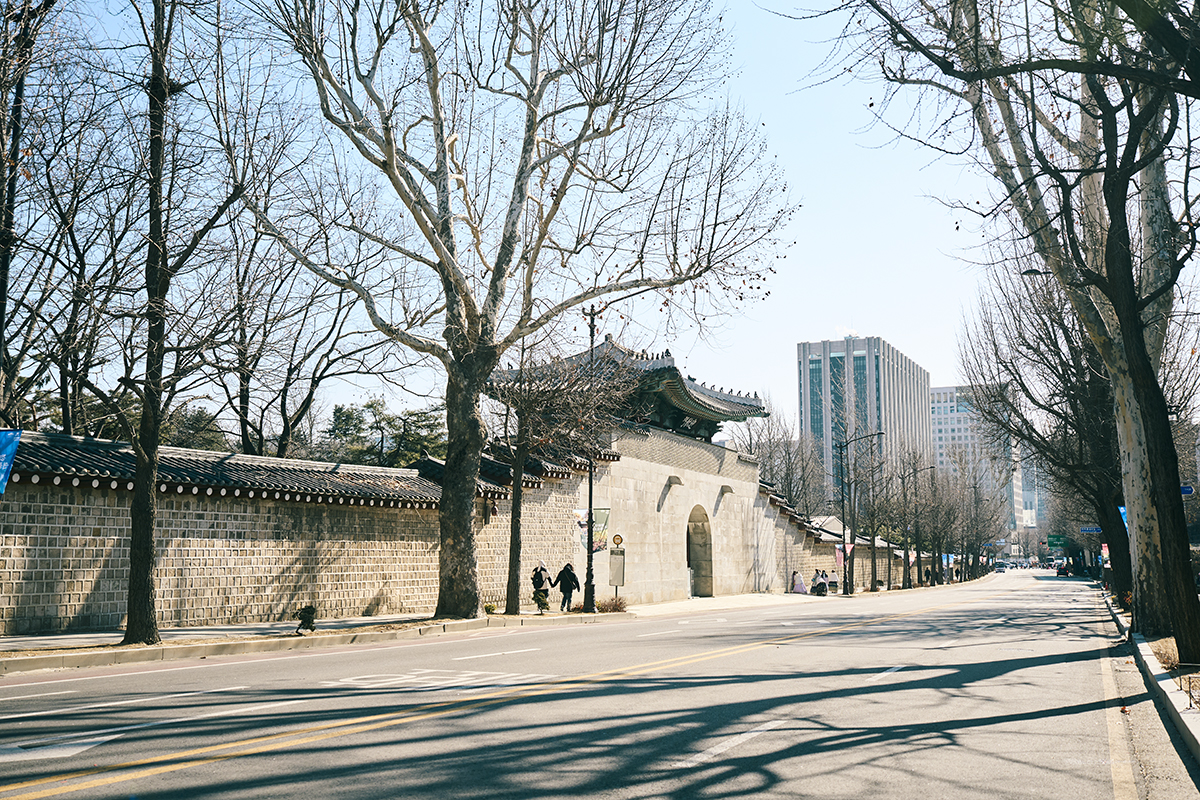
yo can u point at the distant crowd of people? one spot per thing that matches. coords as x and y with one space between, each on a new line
822 583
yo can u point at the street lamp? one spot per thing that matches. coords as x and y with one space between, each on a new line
847 548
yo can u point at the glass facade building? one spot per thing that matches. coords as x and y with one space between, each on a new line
854 386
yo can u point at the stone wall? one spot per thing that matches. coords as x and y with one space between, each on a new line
222 560
64 554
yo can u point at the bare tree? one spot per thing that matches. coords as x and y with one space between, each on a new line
556 406
1079 143
538 156
21 23
792 465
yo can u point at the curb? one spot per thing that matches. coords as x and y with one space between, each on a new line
169 652
1183 715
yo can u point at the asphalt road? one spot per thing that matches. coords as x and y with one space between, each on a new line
1015 686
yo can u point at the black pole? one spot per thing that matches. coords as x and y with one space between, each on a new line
589 581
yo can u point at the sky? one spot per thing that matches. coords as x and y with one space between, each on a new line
876 252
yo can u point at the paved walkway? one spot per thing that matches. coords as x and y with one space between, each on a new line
249 629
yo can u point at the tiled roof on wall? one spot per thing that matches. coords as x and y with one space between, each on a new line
59 458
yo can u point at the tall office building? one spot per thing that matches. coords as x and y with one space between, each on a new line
964 449
855 386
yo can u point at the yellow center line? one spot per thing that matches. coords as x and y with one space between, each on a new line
187 759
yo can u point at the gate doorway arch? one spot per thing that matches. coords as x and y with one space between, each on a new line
699 552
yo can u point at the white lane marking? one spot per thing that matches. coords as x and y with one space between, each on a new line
950 643
824 622
436 680
658 633
69 709
69 744
885 672
237 661
31 696
489 655
721 747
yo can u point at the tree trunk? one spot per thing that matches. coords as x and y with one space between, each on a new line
142 623
458 587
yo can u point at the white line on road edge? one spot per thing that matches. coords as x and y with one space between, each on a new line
119 703
1120 763
721 747
885 672
657 633
489 655
31 696
950 643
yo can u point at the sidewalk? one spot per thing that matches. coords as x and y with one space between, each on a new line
101 648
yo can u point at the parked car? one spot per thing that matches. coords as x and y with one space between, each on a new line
1064 571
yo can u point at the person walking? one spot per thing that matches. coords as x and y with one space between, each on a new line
541 587
568 583
820 584
831 580
798 583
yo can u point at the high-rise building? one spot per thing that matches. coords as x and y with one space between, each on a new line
855 386
963 448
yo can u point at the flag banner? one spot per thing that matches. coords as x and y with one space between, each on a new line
849 549
8 451
838 556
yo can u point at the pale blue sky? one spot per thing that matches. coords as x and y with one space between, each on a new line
876 250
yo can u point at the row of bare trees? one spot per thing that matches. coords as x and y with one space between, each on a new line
1081 113
225 206
928 514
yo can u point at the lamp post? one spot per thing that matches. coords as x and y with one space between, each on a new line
847 537
906 580
589 580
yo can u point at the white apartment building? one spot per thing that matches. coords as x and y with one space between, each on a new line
961 448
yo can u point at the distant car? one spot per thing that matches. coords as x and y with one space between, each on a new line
1001 568
1064 571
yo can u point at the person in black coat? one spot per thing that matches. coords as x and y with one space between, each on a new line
567 582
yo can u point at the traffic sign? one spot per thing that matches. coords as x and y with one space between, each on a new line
1056 540
1090 530
1186 489
617 539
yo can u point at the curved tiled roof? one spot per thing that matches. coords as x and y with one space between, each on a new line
661 374
56 456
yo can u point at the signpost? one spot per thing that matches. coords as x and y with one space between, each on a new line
1091 529
1186 490
1056 540
616 567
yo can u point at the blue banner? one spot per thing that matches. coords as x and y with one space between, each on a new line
8 452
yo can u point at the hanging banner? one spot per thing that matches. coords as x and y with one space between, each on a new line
838 556
8 451
849 549
912 557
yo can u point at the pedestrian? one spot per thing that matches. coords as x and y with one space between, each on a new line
831 580
567 582
927 573
818 588
541 587
798 583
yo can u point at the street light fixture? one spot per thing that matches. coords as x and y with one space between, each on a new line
847 547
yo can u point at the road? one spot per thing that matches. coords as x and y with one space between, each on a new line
1008 687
